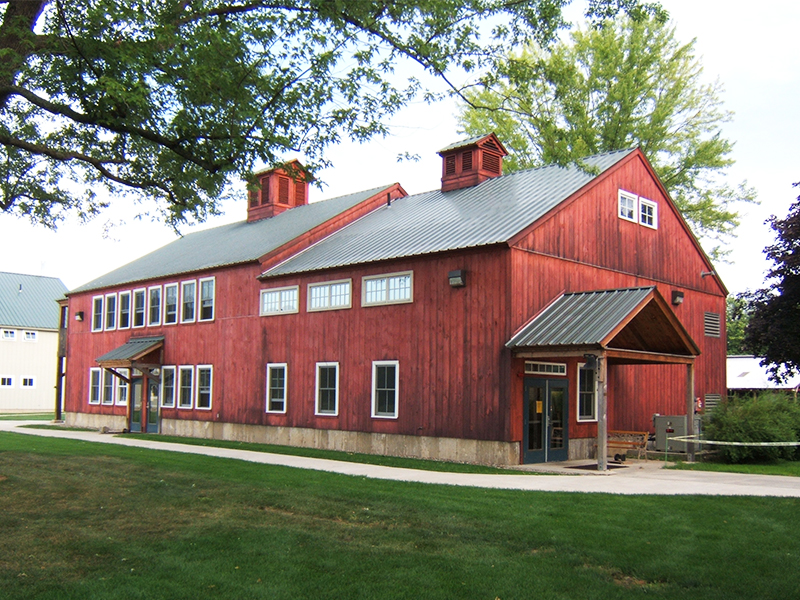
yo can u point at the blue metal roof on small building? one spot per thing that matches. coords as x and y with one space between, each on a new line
30 301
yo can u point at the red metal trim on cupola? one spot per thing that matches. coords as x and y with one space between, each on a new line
469 162
277 190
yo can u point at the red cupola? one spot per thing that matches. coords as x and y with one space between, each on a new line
469 162
279 189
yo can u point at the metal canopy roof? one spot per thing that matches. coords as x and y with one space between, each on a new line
631 320
132 350
29 301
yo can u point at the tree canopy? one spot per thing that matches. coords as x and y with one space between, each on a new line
171 99
773 331
625 83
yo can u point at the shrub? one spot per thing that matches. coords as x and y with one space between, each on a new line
768 417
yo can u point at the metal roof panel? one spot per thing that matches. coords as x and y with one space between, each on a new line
30 301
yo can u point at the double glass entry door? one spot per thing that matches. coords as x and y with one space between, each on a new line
546 433
144 410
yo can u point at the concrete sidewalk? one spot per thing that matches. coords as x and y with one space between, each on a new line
637 477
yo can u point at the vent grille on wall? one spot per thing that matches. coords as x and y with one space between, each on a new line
450 165
491 162
712 401
265 190
299 193
466 161
711 324
283 190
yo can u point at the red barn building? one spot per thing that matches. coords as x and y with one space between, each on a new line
501 319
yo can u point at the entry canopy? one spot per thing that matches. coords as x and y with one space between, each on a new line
630 326
133 351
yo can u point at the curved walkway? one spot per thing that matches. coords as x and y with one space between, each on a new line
638 477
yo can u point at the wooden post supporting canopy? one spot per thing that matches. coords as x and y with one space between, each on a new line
690 410
601 379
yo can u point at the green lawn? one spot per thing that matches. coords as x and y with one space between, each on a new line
37 416
779 467
82 520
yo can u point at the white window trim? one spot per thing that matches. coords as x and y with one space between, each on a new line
11 338
184 285
113 326
578 399
133 308
22 385
120 384
633 198
562 368
119 310
317 412
177 304
102 313
174 386
384 363
387 277
10 385
264 291
178 385
148 320
271 366
99 372
654 206
104 373
199 304
349 304
34 336
210 387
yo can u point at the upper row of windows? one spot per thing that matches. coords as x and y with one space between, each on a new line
637 209
10 335
155 305
393 288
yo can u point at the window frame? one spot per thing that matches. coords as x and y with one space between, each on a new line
329 285
634 210
579 391
265 291
199 306
107 388
644 202
107 312
387 289
120 385
184 285
30 336
134 308
197 387
95 386
172 396
98 316
179 387
270 367
22 380
8 335
175 287
374 408
120 312
551 369
317 411
150 321
10 384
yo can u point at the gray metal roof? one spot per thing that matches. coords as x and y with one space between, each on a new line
132 349
580 319
30 301
462 143
488 213
227 245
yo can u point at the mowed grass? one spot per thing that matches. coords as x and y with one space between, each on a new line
787 468
83 520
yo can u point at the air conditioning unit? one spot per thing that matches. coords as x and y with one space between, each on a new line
668 426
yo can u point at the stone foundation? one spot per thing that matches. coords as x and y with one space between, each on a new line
94 421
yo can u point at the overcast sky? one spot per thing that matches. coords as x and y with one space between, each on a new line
750 50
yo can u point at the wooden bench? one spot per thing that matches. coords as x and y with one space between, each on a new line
628 440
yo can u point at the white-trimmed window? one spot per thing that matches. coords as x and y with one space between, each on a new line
111 312
27 382
648 213
205 379
9 335
6 381
123 388
139 307
29 336
97 313
627 205
108 387
94 385
278 301
587 394
168 387
171 304
207 286
185 386
393 288
188 301
124 310
546 368
385 375
331 295
154 306
327 389
276 388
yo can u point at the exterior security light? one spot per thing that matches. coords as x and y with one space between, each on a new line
677 297
457 278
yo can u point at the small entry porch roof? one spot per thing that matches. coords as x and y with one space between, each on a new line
136 351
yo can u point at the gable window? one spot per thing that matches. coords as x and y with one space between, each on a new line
97 313
6 381
94 385
626 203
394 288
276 388
28 383
384 389
138 307
124 310
207 299
123 387
168 387
171 304
329 296
111 312
204 379
154 306
587 396
188 301
648 213
9 335
279 301
186 386
712 326
29 336
549 368
327 389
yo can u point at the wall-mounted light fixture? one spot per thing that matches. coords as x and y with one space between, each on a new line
705 274
79 315
457 278
677 297
591 361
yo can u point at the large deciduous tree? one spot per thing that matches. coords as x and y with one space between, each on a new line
774 328
170 99
626 83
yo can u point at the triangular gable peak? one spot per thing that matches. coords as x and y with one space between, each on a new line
469 162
